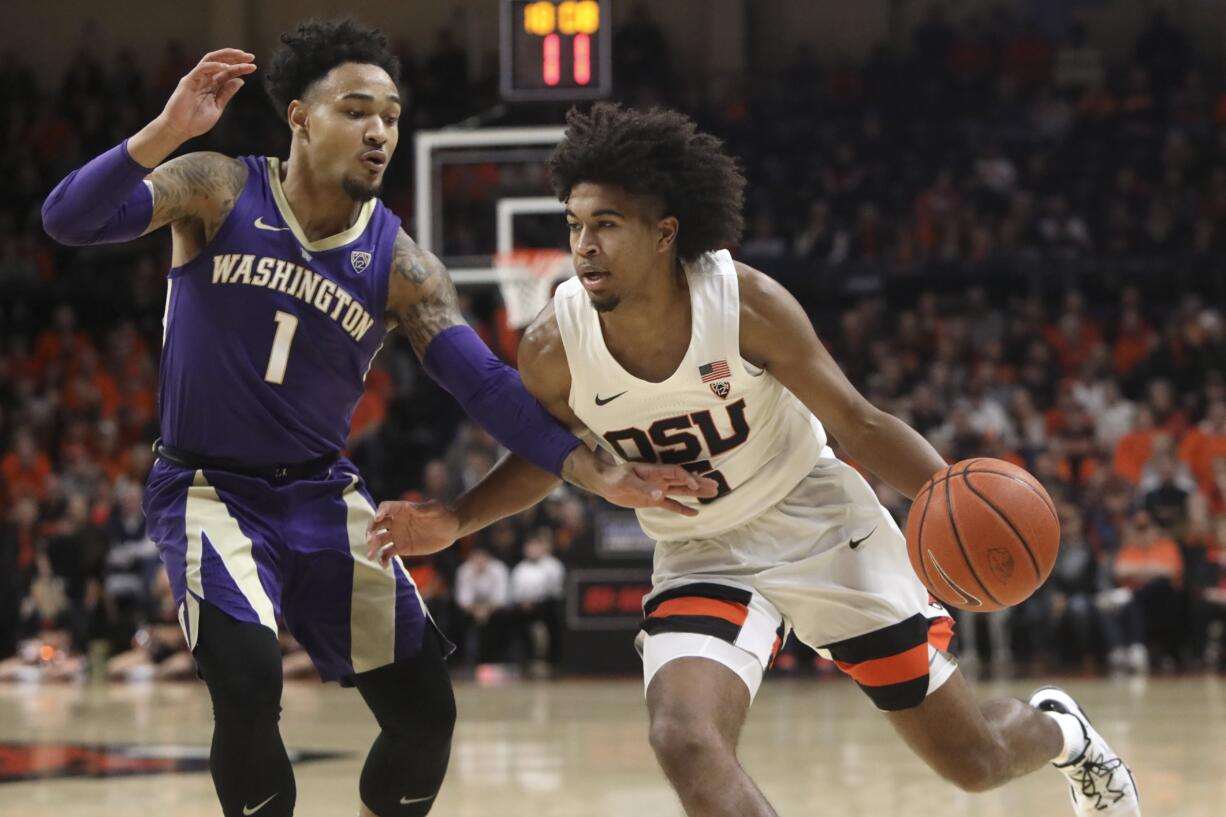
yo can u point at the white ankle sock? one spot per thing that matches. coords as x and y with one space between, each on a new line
1074 737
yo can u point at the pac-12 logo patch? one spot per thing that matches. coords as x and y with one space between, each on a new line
360 260
721 389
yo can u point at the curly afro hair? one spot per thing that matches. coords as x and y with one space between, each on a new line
315 48
658 153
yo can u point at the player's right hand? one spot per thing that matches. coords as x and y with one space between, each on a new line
201 95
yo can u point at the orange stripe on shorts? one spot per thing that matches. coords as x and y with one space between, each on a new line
727 610
894 669
775 651
941 632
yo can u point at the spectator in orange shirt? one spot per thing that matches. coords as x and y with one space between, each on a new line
25 468
432 586
1205 442
1133 341
110 455
1215 491
90 390
18 358
1075 334
1056 417
1134 449
127 353
368 417
366 424
62 341
1168 416
1151 566
1079 460
137 412
89 397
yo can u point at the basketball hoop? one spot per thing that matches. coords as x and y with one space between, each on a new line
526 279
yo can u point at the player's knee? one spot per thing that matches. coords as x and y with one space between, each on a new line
437 718
241 665
414 703
406 765
978 768
427 715
681 742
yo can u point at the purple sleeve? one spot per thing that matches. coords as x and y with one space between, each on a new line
493 395
101 202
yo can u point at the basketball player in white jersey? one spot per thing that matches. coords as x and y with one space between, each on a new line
664 349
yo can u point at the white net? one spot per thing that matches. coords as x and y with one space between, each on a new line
526 279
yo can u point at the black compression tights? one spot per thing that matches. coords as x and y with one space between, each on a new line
414 705
412 700
241 665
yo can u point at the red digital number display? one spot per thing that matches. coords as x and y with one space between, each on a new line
613 599
555 49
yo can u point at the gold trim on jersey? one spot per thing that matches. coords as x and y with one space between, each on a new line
332 241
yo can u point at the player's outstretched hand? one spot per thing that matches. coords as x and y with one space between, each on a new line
410 529
638 485
201 95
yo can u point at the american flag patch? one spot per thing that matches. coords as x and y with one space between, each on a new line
714 371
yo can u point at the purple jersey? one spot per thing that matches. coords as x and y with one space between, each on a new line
269 336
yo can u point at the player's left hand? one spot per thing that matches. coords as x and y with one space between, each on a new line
410 529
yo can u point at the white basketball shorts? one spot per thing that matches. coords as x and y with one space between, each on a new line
827 562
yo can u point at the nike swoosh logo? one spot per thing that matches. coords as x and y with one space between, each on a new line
855 543
963 596
260 225
404 801
249 811
603 401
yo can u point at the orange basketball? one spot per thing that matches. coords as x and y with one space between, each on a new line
982 534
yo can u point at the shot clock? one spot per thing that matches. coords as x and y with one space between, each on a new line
556 49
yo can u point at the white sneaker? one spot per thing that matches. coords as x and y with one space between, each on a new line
1099 782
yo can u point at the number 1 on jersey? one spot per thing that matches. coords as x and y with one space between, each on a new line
287 325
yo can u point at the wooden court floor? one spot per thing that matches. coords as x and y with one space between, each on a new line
579 749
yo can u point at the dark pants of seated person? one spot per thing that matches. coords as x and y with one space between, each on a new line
1199 573
1214 617
1081 631
1154 616
525 619
483 642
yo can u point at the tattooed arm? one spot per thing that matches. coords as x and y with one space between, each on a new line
194 194
421 298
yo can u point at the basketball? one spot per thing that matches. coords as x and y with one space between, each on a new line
982 534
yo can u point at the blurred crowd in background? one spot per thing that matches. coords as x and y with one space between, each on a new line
1011 243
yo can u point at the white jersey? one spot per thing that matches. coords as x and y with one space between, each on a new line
717 413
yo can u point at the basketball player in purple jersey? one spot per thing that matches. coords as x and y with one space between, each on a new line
285 277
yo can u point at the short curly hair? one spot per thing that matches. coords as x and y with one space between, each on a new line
315 48
658 153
